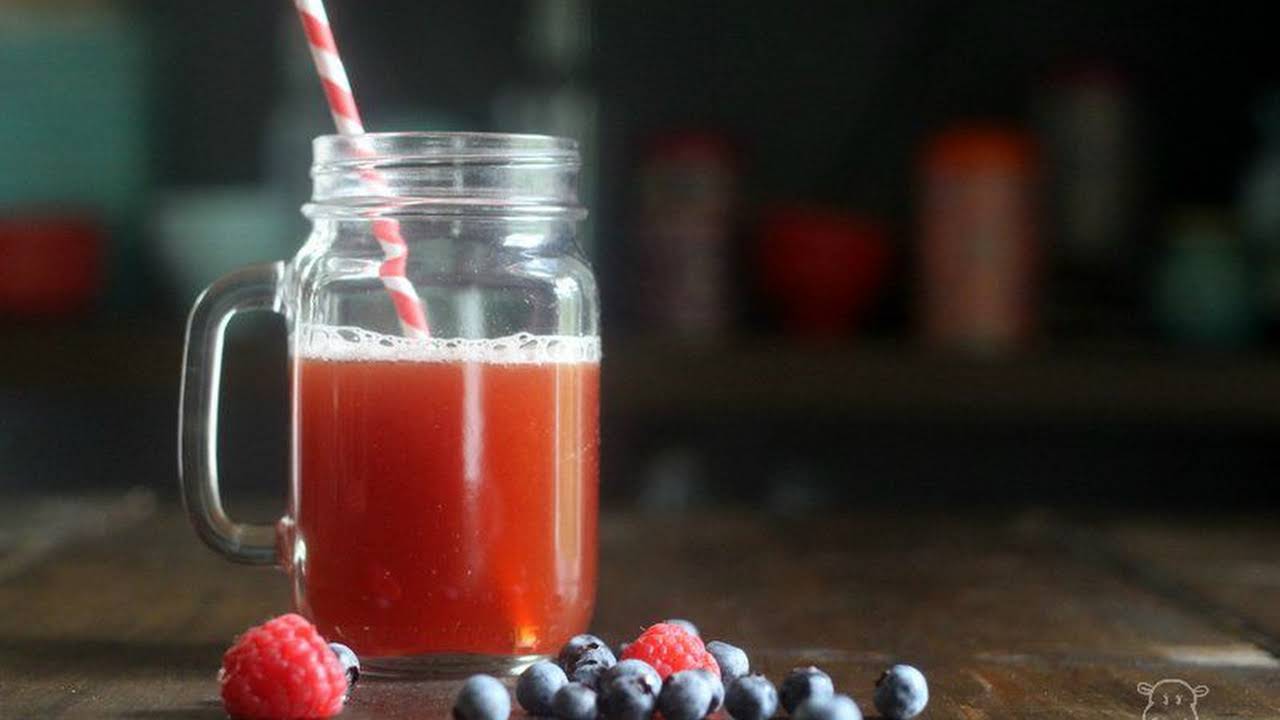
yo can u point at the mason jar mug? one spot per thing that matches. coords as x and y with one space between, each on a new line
444 356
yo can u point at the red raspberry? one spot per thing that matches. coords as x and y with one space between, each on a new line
670 649
282 670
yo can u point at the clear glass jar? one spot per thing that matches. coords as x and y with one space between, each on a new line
442 512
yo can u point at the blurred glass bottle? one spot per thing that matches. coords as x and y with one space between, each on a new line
979 248
555 97
1260 211
1202 291
199 233
682 278
1087 124
297 115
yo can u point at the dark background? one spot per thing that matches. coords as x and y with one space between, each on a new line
824 104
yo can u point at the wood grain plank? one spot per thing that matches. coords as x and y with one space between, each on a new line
1007 623
1231 570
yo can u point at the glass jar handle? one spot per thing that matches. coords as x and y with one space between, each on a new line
251 288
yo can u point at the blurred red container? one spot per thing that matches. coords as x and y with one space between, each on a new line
980 250
50 265
822 268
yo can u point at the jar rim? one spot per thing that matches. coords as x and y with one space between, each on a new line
334 148
444 173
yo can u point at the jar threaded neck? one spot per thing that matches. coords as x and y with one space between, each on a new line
381 174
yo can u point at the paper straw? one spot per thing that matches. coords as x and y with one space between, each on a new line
346 117
409 308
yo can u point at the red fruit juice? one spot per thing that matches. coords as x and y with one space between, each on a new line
445 492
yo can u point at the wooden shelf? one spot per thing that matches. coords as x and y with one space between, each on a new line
86 357
646 378
885 381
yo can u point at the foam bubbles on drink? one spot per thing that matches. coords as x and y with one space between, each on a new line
352 344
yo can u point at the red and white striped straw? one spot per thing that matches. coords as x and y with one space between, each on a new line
342 105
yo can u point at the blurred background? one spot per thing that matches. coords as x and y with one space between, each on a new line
852 253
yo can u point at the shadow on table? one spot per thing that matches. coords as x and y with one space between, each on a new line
203 711
64 657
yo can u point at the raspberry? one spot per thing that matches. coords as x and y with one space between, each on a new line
282 670
670 649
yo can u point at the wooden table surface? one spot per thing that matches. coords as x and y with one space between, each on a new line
1020 616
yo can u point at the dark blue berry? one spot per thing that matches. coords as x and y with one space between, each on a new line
574 701
751 697
807 683
628 697
732 660
901 693
688 626
687 695
588 672
635 667
833 707
538 684
577 645
602 655
350 662
717 687
482 698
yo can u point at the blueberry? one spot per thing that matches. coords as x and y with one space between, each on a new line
901 692
588 672
538 684
688 626
717 687
627 697
832 707
687 695
602 655
733 662
590 665
633 667
807 683
576 646
482 698
574 701
751 697
350 662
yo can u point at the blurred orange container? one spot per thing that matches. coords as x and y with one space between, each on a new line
980 248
